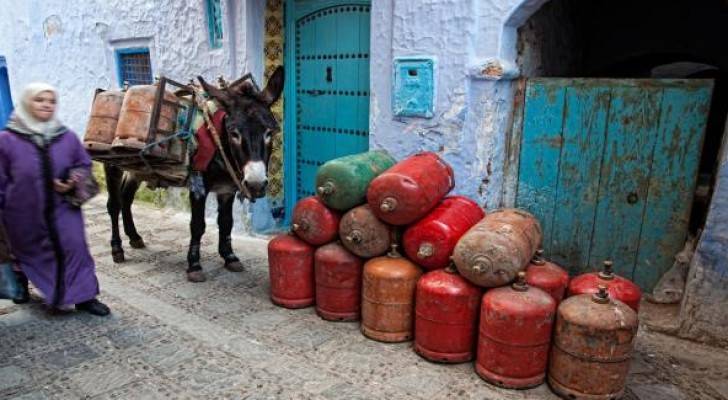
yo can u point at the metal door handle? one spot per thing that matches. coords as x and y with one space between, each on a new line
632 198
329 78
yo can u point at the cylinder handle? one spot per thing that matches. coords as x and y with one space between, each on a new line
354 236
520 285
538 258
602 296
301 226
326 189
393 253
389 204
425 250
479 268
607 273
451 269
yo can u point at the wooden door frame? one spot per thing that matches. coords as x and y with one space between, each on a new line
514 134
290 134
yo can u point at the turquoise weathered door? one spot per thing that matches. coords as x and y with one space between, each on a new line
331 88
609 167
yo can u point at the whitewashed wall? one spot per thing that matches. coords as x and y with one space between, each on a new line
474 44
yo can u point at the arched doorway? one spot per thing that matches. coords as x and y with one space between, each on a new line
618 181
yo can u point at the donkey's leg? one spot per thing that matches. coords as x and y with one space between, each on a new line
113 206
197 229
128 190
225 226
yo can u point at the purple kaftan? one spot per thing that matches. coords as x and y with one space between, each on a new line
46 233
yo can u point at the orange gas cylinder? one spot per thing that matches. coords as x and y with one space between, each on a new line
495 249
547 276
388 297
363 234
515 334
101 126
431 240
133 129
290 265
446 316
338 283
593 344
410 189
315 223
618 287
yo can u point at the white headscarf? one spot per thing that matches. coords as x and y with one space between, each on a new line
22 119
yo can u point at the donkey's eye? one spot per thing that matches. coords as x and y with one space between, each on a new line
268 135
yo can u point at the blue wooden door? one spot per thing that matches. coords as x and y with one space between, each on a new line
6 102
329 87
609 168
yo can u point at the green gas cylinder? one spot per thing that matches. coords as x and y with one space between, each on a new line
342 182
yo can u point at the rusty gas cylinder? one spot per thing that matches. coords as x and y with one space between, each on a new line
363 234
338 283
593 343
101 126
410 189
315 223
388 297
495 249
342 182
446 315
135 119
291 269
618 287
515 335
430 241
547 276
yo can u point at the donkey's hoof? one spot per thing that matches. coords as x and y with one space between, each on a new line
118 256
137 243
196 276
234 265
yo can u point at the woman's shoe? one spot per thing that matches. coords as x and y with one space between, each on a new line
94 307
24 296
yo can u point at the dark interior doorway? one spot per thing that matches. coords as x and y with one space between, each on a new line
637 39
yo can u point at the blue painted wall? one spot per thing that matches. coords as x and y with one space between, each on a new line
6 101
704 314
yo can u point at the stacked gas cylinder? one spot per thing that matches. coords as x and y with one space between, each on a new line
121 120
469 285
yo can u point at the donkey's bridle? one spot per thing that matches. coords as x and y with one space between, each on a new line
202 104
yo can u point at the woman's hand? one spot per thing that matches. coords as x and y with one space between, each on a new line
61 186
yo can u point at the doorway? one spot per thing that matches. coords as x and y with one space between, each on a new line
327 88
604 50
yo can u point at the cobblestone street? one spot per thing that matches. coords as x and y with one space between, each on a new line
223 339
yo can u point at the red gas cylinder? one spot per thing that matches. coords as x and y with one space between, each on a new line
515 334
446 316
411 188
547 276
338 283
315 223
618 287
290 265
431 240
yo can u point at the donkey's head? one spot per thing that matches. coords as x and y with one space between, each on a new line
249 127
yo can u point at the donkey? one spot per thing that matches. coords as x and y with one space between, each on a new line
246 138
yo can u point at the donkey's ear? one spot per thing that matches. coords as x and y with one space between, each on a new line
274 88
220 95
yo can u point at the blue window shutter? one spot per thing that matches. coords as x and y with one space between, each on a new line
134 66
214 23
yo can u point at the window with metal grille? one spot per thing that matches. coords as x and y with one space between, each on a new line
214 23
134 66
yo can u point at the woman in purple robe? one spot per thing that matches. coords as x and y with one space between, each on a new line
43 167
